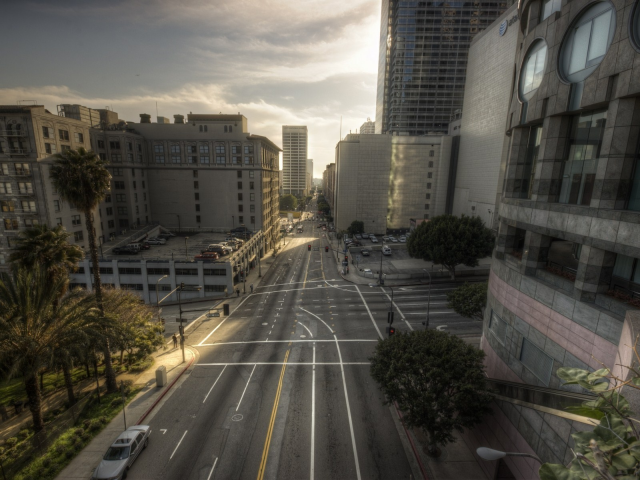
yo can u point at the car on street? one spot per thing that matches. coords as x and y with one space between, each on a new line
365 252
166 236
402 239
386 250
355 243
156 241
347 241
393 239
122 453
373 239
385 239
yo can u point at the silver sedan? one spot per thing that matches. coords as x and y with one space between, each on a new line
122 453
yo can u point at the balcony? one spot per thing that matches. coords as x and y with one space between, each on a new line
17 151
13 133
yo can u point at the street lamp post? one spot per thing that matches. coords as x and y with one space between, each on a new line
181 328
186 248
179 228
158 297
101 252
491 454
380 280
426 324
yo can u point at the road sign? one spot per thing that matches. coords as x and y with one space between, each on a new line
345 263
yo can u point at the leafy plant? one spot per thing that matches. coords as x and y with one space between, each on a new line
469 300
355 227
611 451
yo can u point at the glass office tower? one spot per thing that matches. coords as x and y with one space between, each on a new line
423 61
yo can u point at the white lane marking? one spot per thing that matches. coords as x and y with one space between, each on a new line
287 341
279 363
214 384
369 311
212 468
303 325
313 411
220 324
420 304
163 430
325 323
431 313
176 449
404 319
245 387
293 283
346 396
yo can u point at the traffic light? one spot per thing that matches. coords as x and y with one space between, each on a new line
182 286
391 331
326 249
309 247
390 317
181 329
346 258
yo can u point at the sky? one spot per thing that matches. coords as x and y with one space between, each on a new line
277 62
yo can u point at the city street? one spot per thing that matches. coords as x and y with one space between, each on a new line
281 388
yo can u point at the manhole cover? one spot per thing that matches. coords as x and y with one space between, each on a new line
237 417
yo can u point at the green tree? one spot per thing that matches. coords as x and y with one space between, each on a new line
356 227
288 202
451 241
469 300
34 321
324 207
81 178
436 379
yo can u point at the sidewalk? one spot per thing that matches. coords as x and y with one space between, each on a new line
82 466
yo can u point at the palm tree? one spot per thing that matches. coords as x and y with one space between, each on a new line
35 321
81 178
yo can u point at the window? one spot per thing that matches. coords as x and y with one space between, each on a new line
430 164
251 172
428 196
252 208
536 361
48 132
131 286
430 175
248 160
187 271
78 236
119 185
235 149
75 220
428 186
7 206
122 210
130 157
111 224
50 148
4 169
123 223
581 163
59 221
426 216
230 129
114 144
253 219
248 149
25 188
236 160
175 148
135 186
626 274
241 219
56 205
11 224
204 148
204 158
220 272
63 134
251 185
5 187
197 195
215 288
432 153
197 218
107 198
587 42
130 146
158 148
104 270
137 209
498 328
100 143
103 156
65 148
175 158
426 206
252 197
192 159
109 211
219 148
550 6
118 172
239 185
143 184
240 208
139 147
158 271
159 158
191 149
220 159
139 158
239 197
121 198
197 207
129 271
196 185
144 196
239 173
532 69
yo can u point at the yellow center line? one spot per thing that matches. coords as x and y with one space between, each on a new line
267 442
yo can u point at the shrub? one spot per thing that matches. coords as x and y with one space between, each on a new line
116 401
46 461
86 423
86 437
103 420
11 442
95 425
60 448
24 433
69 453
78 432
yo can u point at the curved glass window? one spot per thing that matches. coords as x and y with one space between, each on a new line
548 7
587 42
634 26
532 69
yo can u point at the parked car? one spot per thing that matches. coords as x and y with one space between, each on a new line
373 239
156 241
402 239
393 239
386 250
365 235
122 453
146 246
126 250
347 241
165 236
365 252
355 243
358 236
385 239
207 256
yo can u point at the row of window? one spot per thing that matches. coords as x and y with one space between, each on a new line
10 206
115 145
219 149
48 132
18 168
204 159
24 188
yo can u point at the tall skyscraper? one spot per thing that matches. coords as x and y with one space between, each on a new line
294 157
368 127
423 60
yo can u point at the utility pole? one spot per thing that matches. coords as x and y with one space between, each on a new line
426 324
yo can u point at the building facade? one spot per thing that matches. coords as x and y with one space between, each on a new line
483 143
329 184
384 180
368 127
422 61
309 176
294 159
567 259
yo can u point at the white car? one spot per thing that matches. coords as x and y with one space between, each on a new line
122 453
393 239
403 239
373 239
385 239
386 250
156 241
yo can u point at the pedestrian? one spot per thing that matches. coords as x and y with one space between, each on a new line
175 341
251 287
238 291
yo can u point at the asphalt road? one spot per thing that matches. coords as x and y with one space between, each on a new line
281 388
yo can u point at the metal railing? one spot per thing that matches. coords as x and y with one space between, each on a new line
562 268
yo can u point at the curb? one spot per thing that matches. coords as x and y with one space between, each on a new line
413 447
164 392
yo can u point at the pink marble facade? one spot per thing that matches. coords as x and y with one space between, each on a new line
577 340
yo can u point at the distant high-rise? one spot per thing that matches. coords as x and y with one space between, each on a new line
294 159
368 127
423 60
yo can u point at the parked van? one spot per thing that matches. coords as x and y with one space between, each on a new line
386 250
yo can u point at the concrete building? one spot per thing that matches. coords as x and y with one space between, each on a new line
368 127
329 184
294 159
483 143
309 182
568 220
422 61
29 137
386 180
